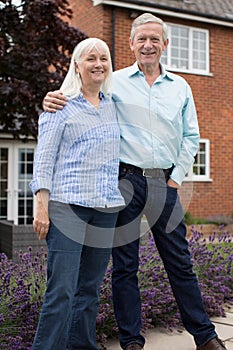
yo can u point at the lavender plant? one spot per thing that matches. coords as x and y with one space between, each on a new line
22 287
213 263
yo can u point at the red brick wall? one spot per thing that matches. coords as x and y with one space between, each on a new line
123 54
214 101
94 21
87 18
213 96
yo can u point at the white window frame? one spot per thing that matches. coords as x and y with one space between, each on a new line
190 69
191 176
13 163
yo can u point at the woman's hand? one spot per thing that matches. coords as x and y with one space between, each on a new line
41 218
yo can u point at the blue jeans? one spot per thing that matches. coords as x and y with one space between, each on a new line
74 274
163 211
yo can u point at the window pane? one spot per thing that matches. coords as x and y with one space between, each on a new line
202 159
183 64
3 182
30 155
184 53
179 47
202 170
29 221
175 63
3 209
174 42
174 52
184 43
29 207
21 207
3 154
4 171
202 46
20 221
164 58
3 189
29 168
199 50
174 30
195 170
202 147
25 202
183 31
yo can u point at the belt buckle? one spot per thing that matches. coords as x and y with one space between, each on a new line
144 174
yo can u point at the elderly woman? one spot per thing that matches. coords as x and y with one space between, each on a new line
76 185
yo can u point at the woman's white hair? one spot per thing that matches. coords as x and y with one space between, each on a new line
72 83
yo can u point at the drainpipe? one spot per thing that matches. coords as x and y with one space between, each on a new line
113 36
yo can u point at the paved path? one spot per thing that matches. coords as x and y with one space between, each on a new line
161 339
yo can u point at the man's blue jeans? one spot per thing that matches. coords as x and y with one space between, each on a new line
163 210
74 274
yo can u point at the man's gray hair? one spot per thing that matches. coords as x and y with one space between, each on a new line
145 18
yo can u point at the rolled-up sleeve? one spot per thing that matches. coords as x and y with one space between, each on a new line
190 141
50 132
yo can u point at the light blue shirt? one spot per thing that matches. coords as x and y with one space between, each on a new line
158 124
77 155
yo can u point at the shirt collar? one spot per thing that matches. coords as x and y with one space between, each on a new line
134 69
165 73
101 94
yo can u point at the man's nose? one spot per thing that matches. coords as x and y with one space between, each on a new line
148 43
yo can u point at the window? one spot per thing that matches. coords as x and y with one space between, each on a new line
188 50
16 171
3 182
201 167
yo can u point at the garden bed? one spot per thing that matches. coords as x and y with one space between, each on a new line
22 287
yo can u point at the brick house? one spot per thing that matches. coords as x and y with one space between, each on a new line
201 50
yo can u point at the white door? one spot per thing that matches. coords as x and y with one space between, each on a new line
16 170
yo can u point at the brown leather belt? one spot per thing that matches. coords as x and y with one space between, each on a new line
151 173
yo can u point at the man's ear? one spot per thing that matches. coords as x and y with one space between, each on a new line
166 42
131 43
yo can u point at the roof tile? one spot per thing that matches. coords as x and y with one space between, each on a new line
210 8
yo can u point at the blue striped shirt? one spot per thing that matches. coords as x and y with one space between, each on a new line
77 155
158 124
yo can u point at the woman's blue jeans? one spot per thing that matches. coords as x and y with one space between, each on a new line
164 214
75 272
